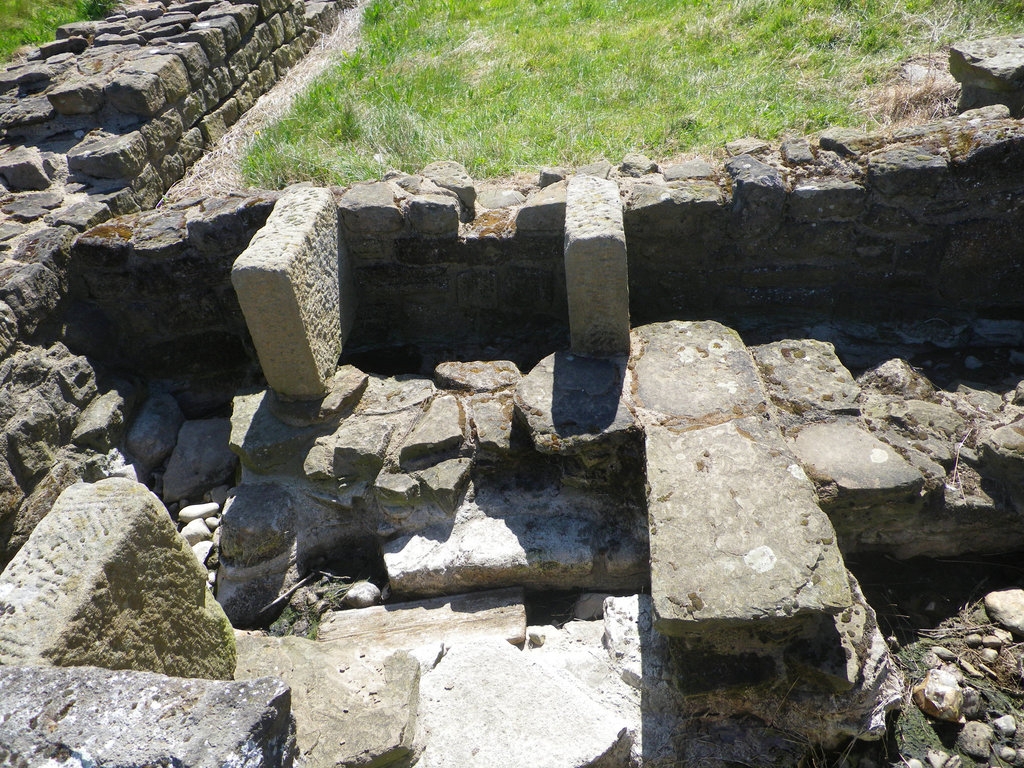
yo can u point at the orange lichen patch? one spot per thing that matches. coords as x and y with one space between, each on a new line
496 223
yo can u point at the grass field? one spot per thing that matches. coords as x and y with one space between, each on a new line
509 85
24 22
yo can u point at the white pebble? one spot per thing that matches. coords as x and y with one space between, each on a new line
362 594
213 523
195 532
1005 725
202 551
197 512
535 638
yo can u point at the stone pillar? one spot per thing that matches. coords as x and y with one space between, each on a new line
595 268
287 286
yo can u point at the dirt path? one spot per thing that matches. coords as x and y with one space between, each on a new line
217 172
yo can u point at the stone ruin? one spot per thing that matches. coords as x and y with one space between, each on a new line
510 496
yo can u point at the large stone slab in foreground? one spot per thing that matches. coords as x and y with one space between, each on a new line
106 580
736 532
485 704
84 716
348 711
595 268
288 288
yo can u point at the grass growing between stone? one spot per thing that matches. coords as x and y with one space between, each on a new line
506 85
24 22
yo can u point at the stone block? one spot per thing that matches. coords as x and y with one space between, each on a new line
484 376
22 168
201 459
907 171
758 193
827 199
595 268
806 377
454 177
108 157
544 211
106 579
287 285
370 209
434 215
26 111
136 93
348 711
102 717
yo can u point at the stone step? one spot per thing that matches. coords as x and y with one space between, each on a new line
737 538
496 613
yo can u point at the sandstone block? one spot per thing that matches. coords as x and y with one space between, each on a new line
487 376
434 215
463 724
759 193
109 157
544 211
370 209
201 459
77 96
806 376
135 719
348 711
105 579
452 176
827 199
287 285
595 268
23 169
438 434
907 171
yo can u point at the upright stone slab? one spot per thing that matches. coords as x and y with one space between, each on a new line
106 580
288 287
737 538
595 268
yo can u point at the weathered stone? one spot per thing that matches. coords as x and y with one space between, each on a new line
940 696
106 579
77 96
898 377
549 176
491 417
849 141
287 285
694 374
460 726
355 451
446 481
108 157
136 92
101 423
805 377
1006 608
27 110
691 169
797 151
477 376
601 169
736 533
22 168
575 404
906 171
1002 451
84 715
82 216
370 209
827 199
758 193
852 469
362 594
595 268
637 165
434 215
450 175
543 536
262 441
438 434
348 712
381 630
990 71
499 198
154 431
201 459
544 211
344 389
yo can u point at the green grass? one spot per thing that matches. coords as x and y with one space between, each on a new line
32 22
508 85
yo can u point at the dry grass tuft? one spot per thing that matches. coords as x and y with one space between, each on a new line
921 90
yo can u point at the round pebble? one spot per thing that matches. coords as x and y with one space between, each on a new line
973 640
943 653
213 523
914 763
362 594
195 532
989 655
202 551
1007 754
536 638
1005 726
991 641
197 512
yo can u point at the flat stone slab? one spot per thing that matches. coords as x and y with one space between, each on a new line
496 613
994 63
105 579
736 532
549 537
287 286
595 268
804 376
485 704
863 469
348 711
88 716
571 403
694 374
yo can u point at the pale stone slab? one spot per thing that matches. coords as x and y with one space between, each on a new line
486 704
498 613
288 287
106 580
736 532
349 711
84 716
694 374
595 268
804 376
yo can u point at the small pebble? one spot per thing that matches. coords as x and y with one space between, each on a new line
989 655
195 532
213 523
211 578
914 763
535 638
1004 635
936 759
1007 754
1005 726
943 653
202 551
362 594
219 495
973 640
197 512
991 641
